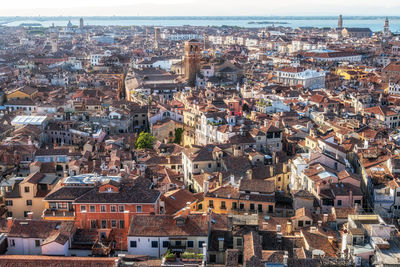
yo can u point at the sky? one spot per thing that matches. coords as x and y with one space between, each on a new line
198 7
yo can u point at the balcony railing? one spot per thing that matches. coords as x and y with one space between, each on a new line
58 213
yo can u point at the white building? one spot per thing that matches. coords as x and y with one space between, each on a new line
153 235
95 58
39 237
309 79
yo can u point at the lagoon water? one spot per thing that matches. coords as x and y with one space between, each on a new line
374 23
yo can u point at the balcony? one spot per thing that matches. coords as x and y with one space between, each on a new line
222 207
58 213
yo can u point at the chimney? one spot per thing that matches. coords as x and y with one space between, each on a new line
187 210
205 187
30 215
289 227
325 217
271 170
285 168
9 223
265 123
313 229
274 157
277 124
220 178
319 223
232 179
126 219
285 259
330 238
278 228
204 262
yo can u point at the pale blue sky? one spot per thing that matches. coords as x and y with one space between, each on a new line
197 7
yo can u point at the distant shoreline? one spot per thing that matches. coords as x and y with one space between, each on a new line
267 22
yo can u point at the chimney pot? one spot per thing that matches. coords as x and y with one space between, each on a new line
9 222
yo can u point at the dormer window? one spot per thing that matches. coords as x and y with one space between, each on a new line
109 189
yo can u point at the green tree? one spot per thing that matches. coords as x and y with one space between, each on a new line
145 140
178 135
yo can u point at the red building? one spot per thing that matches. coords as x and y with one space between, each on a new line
108 209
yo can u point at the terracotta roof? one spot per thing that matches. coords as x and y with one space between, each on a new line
166 225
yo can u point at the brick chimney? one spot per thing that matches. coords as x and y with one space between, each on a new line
126 219
9 223
187 211
30 215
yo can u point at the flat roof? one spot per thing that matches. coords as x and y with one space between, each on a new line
28 120
89 179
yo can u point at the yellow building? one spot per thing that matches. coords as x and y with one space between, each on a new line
22 93
27 195
351 73
251 197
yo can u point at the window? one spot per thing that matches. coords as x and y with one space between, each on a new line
196 166
113 224
251 206
223 205
133 244
209 165
300 223
62 206
26 213
102 208
190 244
103 224
154 244
29 202
211 203
83 208
138 209
9 214
12 243
9 202
165 244
234 205
121 208
26 189
113 208
239 242
398 194
37 243
270 208
92 208
241 206
93 224
201 244
308 222
178 243
339 202
122 224
260 207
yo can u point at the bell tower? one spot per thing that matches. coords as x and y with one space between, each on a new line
340 22
386 28
192 61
